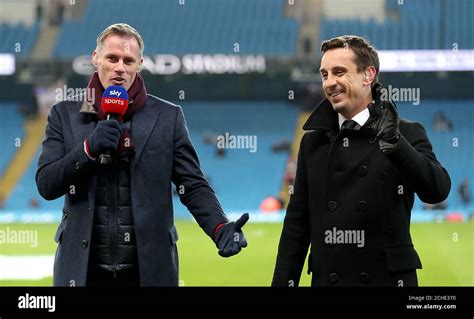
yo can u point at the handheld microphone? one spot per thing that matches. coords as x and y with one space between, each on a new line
114 104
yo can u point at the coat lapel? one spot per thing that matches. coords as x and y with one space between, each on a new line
322 118
82 123
143 123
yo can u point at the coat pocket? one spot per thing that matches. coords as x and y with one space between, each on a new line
62 226
402 257
173 235
174 248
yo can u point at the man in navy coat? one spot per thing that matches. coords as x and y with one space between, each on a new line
117 227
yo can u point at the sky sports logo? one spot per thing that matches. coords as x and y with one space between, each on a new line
111 101
37 302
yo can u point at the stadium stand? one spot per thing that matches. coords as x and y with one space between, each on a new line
206 26
452 147
12 128
415 25
241 178
18 39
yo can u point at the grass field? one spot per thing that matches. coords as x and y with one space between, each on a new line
446 251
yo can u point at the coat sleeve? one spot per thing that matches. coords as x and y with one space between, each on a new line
57 170
414 157
193 188
295 237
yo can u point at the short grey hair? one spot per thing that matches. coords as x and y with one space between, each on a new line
121 29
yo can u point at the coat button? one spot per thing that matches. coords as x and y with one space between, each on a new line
364 277
332 205
85 244
373 140
77 165
363 171
333 278
64 215
362 206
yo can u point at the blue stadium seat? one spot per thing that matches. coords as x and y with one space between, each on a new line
12 128
243 179
422 24
205 26
12 35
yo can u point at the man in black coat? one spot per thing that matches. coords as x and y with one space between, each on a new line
358 169
117 227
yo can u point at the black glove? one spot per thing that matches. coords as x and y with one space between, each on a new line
104 137
230 238
385 126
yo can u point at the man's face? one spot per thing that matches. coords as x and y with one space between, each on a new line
118 61
343 86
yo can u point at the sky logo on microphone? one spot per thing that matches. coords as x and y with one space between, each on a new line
115 100
116 93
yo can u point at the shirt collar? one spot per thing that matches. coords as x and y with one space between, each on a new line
361 117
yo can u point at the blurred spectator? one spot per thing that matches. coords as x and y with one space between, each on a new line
29 107
34 203
307 46
290 171
57 13
313 95
281 146
60 14
2 200
220 152
438 206
465 192
209 138
271 204
39 11
441 123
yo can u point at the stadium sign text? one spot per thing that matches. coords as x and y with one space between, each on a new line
166 64
426 60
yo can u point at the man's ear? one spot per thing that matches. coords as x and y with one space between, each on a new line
95 58
140 64
369 76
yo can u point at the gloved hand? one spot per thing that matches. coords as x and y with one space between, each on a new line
385 126
104 137
230 239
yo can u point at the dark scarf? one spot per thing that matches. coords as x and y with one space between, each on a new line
136 101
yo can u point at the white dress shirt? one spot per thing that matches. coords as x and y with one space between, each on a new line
360 117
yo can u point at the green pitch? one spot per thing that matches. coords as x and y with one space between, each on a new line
446 251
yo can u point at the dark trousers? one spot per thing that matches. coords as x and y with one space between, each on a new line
123 278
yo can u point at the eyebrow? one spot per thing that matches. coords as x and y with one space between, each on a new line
337 67
108 55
